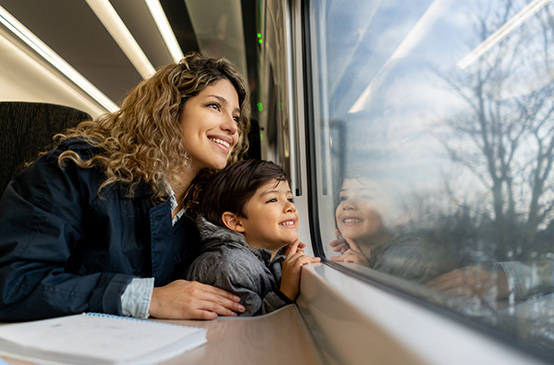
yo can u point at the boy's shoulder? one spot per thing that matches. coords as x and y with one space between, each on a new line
235 263
225 249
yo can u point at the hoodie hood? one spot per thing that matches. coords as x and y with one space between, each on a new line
214 236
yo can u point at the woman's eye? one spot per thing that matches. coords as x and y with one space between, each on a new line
236 119
272 200
343 198
214 106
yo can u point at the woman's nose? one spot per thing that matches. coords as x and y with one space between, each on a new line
230 125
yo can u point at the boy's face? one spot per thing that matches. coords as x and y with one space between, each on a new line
272 217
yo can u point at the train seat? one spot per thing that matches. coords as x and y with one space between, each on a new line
26 129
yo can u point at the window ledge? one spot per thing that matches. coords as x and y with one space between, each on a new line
353 322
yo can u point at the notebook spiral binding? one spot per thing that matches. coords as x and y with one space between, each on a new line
113 316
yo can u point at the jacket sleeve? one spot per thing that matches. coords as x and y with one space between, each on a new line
41 212
236 277
528 278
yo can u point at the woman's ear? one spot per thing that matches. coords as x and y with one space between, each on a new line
232 221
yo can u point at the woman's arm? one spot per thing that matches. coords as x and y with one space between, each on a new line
472 281
40 225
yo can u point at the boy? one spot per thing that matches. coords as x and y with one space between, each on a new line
248 224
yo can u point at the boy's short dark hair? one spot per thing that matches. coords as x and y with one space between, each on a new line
230 189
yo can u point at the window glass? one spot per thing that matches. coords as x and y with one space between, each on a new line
435 149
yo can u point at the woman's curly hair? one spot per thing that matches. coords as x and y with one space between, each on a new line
142 141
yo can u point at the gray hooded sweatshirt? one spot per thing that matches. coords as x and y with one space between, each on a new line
229 263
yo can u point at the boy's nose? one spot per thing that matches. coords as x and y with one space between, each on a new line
290 207
349 205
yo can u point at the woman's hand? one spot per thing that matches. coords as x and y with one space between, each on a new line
192 300
350 252
472 281
291 269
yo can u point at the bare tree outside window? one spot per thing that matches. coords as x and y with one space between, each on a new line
504 135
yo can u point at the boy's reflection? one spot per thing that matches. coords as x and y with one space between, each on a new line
370 233
360 220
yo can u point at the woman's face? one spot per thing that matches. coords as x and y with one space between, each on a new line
209 125
357 214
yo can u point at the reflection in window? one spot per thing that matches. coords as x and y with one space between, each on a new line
439 116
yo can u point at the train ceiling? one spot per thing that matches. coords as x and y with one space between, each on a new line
79 32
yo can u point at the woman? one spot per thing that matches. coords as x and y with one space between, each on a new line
370 234
97 224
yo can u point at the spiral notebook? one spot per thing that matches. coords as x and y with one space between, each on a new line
92 338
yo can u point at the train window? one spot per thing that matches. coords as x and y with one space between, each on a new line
434 143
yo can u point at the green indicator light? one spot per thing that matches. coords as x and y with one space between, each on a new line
261 137
259 41
260 107
259 35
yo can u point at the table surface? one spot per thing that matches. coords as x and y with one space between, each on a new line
279 337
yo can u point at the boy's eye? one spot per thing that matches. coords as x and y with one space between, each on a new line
273 200
291 200
343 197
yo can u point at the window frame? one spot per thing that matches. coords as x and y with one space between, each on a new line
387 283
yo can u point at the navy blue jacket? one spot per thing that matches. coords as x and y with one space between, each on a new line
66 249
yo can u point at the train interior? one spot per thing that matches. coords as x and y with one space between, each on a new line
437 115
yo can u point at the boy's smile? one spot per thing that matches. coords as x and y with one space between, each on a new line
289 223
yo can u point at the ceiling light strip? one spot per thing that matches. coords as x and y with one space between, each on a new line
502 32
410 41
168 36
59 63
115 26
